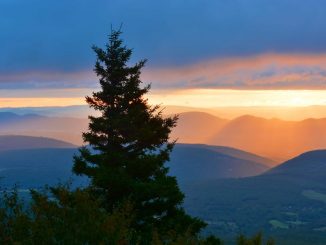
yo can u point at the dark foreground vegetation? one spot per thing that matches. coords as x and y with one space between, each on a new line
63 216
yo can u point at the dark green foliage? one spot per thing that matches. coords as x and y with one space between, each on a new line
130 144
66 217
213 240
73 217
255 240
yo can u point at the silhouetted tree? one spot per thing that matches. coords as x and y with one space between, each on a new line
129 144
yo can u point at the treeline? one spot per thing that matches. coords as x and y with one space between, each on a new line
72 217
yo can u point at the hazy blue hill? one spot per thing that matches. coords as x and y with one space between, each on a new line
78 111
63 128
287 202
11 142
192 163
10 117
238 154
33 168
309 165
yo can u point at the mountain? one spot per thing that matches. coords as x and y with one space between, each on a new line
12 142
9 117
239 154
273 138
61 128
287 113
22 158
192 163
197 127
76 111
308 166
231 112
286 202
35 168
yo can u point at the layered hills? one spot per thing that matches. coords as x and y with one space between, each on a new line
272 138
232 190
62 128
286 202
19 142
195 163
36 161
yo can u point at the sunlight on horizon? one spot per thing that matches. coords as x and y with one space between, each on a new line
208 98
200 98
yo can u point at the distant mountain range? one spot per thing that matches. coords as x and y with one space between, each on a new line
276 139
281 112
272 138
77 111
287 113
197 127
62 128
18 142
22 158
10 117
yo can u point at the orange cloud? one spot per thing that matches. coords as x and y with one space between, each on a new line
268 71
218 82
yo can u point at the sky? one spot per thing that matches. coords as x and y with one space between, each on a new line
203 53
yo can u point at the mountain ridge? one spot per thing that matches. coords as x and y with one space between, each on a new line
271 138
14 142
290 194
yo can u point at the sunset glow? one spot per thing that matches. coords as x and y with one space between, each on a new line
265 71
221 98
160 122
201 98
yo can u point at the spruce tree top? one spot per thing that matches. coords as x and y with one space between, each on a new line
129 144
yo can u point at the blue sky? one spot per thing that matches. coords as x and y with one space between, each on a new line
47 44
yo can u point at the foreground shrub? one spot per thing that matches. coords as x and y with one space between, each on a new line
62 216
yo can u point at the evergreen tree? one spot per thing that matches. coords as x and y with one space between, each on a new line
129 144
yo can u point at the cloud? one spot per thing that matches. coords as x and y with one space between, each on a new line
268 71
57 35
48 79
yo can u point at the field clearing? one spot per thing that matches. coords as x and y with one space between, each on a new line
278 224
314 195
